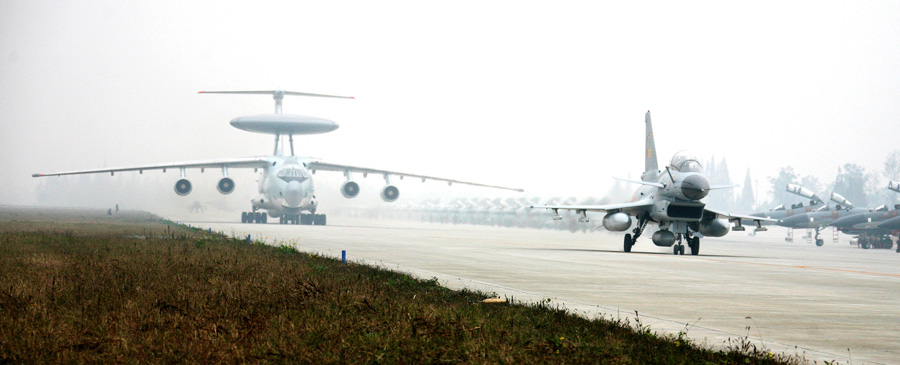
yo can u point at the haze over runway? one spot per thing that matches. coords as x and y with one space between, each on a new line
836 302
549 97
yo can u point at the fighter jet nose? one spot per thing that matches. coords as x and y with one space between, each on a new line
848 222
695 187
791 221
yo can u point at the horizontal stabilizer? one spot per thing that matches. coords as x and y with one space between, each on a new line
274 93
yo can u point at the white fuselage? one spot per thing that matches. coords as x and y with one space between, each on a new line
285 186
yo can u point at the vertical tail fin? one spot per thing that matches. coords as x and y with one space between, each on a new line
650 164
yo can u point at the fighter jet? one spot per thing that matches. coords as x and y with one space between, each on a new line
873 228
671 198
823 217
286 182
781 212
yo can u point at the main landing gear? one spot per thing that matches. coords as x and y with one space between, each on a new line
694 244
254 217
629 240
304 219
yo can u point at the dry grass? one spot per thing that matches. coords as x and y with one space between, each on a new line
132 288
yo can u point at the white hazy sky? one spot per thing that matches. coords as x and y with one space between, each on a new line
548 96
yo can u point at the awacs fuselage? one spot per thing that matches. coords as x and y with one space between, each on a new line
285 186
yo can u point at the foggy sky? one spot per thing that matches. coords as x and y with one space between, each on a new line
547 97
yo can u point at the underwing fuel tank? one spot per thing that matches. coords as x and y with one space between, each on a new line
663 238
714 227
617 222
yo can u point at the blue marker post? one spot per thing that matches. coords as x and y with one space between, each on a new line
210 230
344 257
248 238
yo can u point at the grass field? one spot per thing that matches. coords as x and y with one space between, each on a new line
81 286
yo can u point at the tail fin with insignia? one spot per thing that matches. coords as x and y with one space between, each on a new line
650 164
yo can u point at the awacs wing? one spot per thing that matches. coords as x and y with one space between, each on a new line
632 208
319 165
247 162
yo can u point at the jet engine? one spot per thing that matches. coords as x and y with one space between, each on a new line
390 193
183 187
617 222
663 238
225 186
350 189
714 227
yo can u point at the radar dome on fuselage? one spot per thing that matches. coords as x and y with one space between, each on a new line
684 161
283 124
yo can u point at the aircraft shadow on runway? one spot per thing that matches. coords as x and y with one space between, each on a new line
630 253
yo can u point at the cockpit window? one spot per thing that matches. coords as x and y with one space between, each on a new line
684 161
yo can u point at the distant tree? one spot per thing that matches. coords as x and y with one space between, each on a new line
748 200
851 183
892 173
812 183
779 185
717 173
892 166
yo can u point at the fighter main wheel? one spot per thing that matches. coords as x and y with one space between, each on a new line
628 243
695 246
820 242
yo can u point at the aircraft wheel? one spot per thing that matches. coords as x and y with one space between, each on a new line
628 243
695 246
265 218
319 219
865 244
820 242
243 217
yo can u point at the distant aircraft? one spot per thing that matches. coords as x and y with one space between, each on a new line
781 212
670 198
823 217
873 228
285 184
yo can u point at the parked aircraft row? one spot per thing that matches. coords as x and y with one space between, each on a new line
872 226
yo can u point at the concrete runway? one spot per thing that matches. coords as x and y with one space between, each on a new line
836 302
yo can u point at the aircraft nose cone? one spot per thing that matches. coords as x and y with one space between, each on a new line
795 220
849 222
892 224
695 187
293 194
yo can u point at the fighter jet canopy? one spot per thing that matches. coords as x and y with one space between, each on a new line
684 161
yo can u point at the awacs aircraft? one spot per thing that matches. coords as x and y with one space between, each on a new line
670 198
286 183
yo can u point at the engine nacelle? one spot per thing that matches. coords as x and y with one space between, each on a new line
183 187
225 186
390 193
714 227
663 238
350 189
617 222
